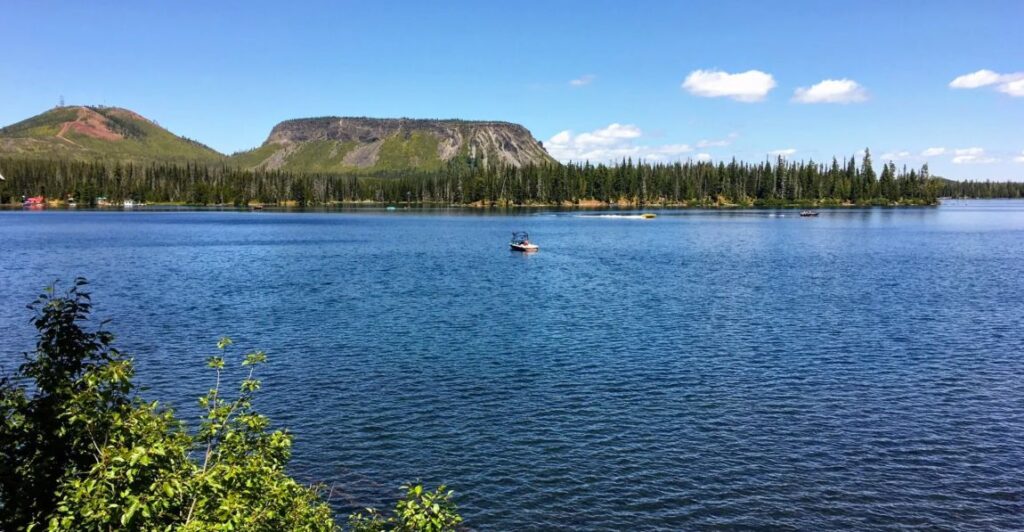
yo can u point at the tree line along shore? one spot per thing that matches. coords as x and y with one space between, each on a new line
770 183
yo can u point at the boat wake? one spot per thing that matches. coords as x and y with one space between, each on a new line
618 216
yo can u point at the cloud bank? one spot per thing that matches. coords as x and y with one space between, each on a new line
610 143
972 156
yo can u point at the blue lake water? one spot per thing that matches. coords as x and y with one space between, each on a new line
748 369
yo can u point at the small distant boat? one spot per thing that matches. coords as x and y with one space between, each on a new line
392 208
129 203
808 213
649 215
35 202
521 242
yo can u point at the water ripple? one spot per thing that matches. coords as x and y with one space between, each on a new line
702 370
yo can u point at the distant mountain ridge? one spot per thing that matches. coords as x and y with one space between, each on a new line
323 145
359 143
95 132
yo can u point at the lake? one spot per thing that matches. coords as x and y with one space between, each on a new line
738 369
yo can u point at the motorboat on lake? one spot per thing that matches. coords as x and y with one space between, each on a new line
806 214
521 242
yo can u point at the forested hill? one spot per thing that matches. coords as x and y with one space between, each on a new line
366 145
88 133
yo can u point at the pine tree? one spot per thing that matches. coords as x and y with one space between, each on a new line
867 173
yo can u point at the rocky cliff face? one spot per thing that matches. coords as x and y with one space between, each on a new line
337 143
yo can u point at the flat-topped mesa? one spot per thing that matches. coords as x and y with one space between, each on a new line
340 143
364 129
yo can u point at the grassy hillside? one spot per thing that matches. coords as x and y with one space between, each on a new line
418 151
107 133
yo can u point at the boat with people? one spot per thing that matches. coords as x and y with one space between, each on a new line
806 214
34 202
521 242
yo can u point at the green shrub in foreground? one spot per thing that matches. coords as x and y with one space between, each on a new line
79 450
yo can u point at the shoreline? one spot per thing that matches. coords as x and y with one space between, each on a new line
478 205
165 207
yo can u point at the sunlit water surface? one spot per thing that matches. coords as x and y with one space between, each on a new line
862 369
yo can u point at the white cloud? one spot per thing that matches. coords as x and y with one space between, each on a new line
672 149
974 80
1011 84
1013 88
1019 158
562 137
969 151
832 91
972 156
895 155
786 152
933 152
608 136
705 143
704 157
749 86
585 79
609 144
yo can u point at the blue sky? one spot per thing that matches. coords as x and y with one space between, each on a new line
661 80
